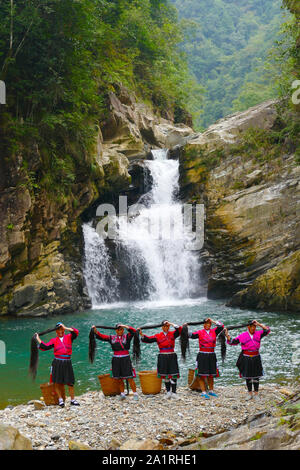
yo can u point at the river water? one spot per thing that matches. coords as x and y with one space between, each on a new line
279 349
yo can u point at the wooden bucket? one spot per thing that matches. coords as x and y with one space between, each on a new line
49 394
150 383
110 387
193 382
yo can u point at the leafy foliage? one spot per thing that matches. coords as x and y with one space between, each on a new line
60 59
227 43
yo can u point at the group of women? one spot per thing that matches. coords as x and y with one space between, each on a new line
249 361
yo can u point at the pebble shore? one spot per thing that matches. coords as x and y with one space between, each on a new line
106 422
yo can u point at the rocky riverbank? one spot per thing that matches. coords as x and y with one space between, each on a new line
153 422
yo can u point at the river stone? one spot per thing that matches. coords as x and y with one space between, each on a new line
11 439
145 444
38 405
287 392
114 444
76 445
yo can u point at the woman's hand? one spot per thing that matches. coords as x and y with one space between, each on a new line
38 338
227 334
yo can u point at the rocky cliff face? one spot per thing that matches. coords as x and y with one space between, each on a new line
249 182
41 245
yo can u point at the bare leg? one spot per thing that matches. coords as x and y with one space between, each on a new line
121 385
210 381
58 390
71 391
202 384
132 385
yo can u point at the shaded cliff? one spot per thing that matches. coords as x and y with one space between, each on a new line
245 169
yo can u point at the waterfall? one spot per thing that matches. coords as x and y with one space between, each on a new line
101 281
151 255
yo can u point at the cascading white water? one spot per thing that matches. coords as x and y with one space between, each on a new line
101 282
159 267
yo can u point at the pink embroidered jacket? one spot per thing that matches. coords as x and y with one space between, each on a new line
207 340
247 343
62 349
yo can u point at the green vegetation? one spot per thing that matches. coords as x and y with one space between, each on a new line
286 55
59 59
227 43
258 435
265 145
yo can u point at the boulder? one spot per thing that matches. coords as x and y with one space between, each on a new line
11 439
230 129
274 440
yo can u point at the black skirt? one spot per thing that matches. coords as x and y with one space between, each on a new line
250 367
207 365
167 366
62 372
121 368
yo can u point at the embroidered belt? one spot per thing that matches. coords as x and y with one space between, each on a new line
166 350
62 357
250 353
121 353
207 349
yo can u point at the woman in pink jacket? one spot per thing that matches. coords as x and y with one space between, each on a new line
207 367
249 361
62 370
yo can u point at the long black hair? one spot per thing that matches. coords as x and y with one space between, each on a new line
92 341
222 338
34 352
184 337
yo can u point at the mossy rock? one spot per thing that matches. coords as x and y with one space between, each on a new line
277 289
